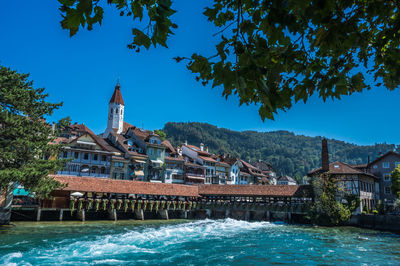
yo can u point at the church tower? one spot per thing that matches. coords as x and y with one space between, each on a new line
115 112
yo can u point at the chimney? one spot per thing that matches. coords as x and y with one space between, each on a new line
325 156
368 159
207 149
201 146
186 142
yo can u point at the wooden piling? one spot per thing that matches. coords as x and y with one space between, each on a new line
39 214
61 214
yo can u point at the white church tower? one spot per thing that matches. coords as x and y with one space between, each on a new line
116 105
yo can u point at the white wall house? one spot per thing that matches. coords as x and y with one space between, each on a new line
234 174
200 156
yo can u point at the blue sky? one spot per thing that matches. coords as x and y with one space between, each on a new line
82 71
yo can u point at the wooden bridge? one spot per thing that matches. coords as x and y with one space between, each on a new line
118 199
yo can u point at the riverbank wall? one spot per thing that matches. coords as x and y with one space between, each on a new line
389 223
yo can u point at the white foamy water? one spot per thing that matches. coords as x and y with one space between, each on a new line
110 249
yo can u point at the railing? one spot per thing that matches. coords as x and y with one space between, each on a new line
194 174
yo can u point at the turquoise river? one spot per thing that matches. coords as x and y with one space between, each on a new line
205 242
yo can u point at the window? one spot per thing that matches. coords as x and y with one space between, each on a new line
103 158
94 168
95 157
103 170
118 164
348 186
121 111
116 110
387 190
86 156
76 155
65 154
158 153
385 164
386 177
150 151
396 164
375 166
111 110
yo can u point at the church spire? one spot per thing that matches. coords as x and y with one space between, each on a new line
115 112
117 96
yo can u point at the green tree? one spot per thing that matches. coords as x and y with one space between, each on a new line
161 133
273 53
25 136
327 210
395 177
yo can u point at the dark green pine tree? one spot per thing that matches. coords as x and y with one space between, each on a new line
26 153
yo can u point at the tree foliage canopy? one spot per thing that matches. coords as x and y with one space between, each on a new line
327 210
273 53
25 136
395 177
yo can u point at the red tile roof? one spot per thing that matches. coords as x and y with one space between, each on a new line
383 156
168 144
340 168
255 190
208 159
126 126
117 97
105 185
59 140
81 128
223 163
170 158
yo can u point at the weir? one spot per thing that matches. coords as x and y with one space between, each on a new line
105 199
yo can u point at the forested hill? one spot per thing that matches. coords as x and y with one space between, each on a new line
290 154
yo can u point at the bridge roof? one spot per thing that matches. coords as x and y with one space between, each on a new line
256 190
106 185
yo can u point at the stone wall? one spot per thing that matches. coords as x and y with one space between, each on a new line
378 222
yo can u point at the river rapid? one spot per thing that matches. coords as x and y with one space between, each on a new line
210 242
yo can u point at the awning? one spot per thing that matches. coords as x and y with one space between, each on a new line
20 192
195 177
140 160
139 173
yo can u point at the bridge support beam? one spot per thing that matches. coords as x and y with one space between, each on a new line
227 213
61 215
289 217
139 214
38 214
164 214
208 213
247 216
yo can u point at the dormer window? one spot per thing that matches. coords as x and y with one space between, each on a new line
336 166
